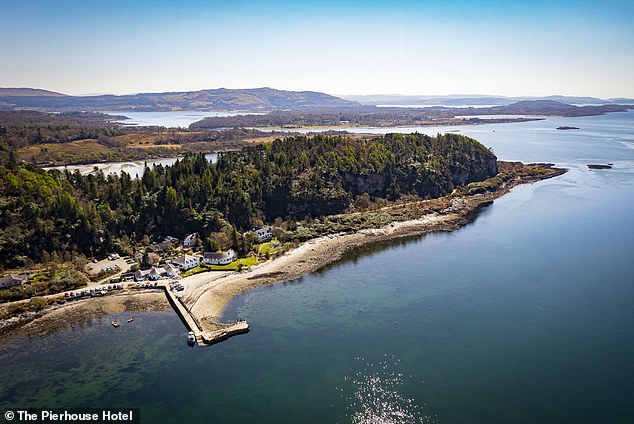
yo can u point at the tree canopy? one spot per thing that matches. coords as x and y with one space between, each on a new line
43 212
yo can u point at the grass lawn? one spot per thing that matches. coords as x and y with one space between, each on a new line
268 249
233 266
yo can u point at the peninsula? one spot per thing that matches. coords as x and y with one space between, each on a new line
321 196
207 295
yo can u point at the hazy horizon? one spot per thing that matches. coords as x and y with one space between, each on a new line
422 96
525 48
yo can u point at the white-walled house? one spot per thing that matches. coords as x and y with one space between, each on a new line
263 234
190 240
220 258
185 262
170 270
155 273
140 275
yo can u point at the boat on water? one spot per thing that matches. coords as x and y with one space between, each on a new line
115 324
191 338
130 320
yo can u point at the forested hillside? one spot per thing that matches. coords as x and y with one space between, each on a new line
66 214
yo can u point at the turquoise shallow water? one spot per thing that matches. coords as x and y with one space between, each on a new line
523 316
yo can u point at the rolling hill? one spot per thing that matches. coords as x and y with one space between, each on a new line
257 99
461 100
28 92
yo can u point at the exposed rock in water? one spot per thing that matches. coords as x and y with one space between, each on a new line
564 127
594 166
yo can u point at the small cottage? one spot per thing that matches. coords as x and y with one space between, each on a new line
12 280
191 240
140 275
262 234
159 248
170 270
185 262
155 273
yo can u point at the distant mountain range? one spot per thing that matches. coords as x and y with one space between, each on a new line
472 100
271 100
253 100
28 92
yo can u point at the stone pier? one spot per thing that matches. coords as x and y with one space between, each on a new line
205 333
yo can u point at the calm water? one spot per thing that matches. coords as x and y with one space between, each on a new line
172 119
134 168
524 316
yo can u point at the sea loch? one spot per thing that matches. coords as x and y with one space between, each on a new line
523 316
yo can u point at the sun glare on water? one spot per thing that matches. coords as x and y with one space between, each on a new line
376 397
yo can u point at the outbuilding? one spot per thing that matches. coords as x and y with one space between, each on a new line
12 280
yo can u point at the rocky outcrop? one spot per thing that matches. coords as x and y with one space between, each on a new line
373 184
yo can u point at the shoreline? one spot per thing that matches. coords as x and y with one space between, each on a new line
81 312
207 295
448 122
209 298
288 132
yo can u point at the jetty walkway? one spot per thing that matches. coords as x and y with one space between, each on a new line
206 333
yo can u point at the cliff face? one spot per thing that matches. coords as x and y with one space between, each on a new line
373 184
317 202
323 175
434 169
479 168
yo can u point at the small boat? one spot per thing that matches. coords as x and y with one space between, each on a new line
115 324
191 339
130 320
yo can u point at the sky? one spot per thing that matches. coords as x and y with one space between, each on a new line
512 48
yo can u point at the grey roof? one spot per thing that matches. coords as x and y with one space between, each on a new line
220 256
182 259
13 279
159 247
170 269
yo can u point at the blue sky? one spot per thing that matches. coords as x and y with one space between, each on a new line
339 47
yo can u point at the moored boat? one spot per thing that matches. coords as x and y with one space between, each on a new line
115 324
191 338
